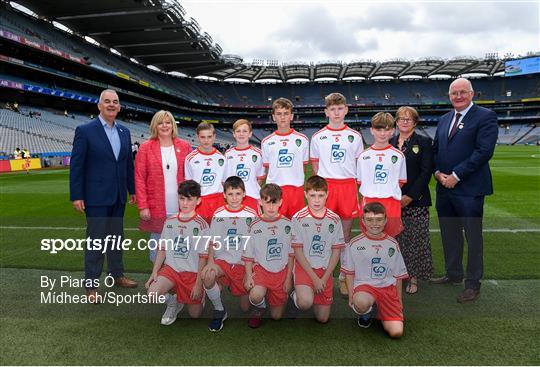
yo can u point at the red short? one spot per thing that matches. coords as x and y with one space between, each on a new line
233 278
343 197
394 225
252 203
293 200
184 282
209 204
273 282
388 305
302 278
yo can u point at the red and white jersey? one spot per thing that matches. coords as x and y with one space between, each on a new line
184 241
270 243
336 150
229 231
248 165
285 156
380 172
207 169
374 261
317 236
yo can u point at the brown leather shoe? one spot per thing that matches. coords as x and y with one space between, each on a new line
445 280
124 282
468 295
93 296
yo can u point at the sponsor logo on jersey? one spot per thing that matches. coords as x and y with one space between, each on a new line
254 158
391 252
298 142
350 138
242 171
273 250
221 161
287 229
195 231
337 154
207 178
285 159
317 246
381 174
378 269
181 249
331 228
394 158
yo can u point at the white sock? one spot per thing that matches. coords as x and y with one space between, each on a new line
341 276
214 295
362 313
261 304
170 298
293 296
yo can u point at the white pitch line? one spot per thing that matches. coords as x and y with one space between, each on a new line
354 230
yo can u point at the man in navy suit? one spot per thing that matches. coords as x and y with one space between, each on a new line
463 145
101 175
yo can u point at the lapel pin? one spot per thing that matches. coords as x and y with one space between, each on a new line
415 149
460 126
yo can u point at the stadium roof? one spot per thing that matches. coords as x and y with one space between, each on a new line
155 32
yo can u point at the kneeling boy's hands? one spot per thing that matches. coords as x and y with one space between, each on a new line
318 284
248 282
287 286
197 291
151 280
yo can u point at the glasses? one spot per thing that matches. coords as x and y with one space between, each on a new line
458 93
403 119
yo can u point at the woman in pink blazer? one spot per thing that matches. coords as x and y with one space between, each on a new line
159 168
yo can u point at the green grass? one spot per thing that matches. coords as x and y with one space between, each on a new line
500 328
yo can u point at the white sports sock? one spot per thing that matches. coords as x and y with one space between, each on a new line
170 298
362 313
214 295
293 296
341 276
261 304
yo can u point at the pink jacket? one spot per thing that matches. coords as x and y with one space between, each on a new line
150 182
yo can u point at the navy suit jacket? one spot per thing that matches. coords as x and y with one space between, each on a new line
468 152
96 176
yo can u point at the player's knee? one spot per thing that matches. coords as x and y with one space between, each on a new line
323 319
195 312
276 314
395 334
362 305
304 303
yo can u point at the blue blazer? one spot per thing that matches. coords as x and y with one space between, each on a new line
95 175
468 152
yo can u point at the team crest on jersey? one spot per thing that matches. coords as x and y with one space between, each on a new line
220 162
195 231
298 142
254 158
394 158
415 149
331 228
287 229
249 220
350 138
391 252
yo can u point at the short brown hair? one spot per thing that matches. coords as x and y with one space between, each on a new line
205 126
316 183
234 182
271 193
157 119
282 103
241 122
335 99
375 208
403 110
382 120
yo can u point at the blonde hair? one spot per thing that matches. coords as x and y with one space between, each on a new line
282 103
205 126
241 122
403 110
334 99
157 119
382 120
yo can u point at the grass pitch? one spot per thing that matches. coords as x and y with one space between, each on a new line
502 327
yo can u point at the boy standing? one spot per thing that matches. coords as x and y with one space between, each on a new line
207 166
245 161
181 257
285 152
375 268
381 172
269 258
229 229
317 240
334 151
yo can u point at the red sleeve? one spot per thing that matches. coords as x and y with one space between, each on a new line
141 172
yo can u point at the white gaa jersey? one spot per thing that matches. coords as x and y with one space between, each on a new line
206 169
336 150
285 156
269 244
229 231
248 165
374 262
380 172
317 236
184 242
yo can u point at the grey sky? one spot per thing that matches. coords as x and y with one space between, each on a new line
308 31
